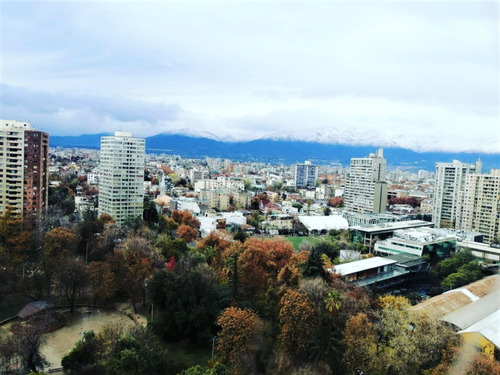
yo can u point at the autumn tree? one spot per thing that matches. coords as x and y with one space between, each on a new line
15 240
140 257
185 218
360 355
230 271
59 242
102 281
298 319
239 339
212 246
261 262
187 233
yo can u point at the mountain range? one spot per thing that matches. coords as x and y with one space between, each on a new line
283 151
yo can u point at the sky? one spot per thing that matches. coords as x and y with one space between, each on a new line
420 74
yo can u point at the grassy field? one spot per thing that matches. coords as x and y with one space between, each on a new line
296 241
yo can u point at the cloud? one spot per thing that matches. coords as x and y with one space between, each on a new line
72 114
248 69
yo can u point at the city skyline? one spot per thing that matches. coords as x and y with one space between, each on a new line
418 74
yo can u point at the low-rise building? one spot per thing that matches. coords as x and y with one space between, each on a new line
481 250
367 235
419 242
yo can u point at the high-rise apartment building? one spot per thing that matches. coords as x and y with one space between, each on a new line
121 177
24 164
450 181
306 175
480 207
366 187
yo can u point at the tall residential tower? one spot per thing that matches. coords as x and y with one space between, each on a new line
480 207
306 175
24 164
121 177
450 181
365 187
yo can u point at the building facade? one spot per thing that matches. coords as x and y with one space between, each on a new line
306 175
450 181
24 169
480 207
121 176
365 187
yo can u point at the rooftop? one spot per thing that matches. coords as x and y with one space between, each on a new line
361 265
444 304
391 226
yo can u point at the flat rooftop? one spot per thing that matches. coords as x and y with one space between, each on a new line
361 265
478 246
424 235
383 227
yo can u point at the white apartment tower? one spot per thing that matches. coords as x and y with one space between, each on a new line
121 177
24 165
365 187
306 175
450 181
481 205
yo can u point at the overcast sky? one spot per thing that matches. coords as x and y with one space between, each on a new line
427 71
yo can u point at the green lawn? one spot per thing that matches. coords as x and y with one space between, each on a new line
296 241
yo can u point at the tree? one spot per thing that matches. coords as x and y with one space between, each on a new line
71 277
239 338
298 319
186 304
187 233
59 242
171 247
120 352
185 218
140 258
261 262
102 281
360 355
24 349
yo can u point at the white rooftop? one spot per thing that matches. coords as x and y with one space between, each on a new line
361 265
424 235
489 327
392 226
320 223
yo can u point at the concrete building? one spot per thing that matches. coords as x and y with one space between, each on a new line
481 250
121 178
365 187
419 242
367 235
450 181
219 183
306 175
479 210
24 166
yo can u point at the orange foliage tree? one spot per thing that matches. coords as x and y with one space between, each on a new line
187 233
185 218
298 319
261 262
239 338
102 280
360 345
